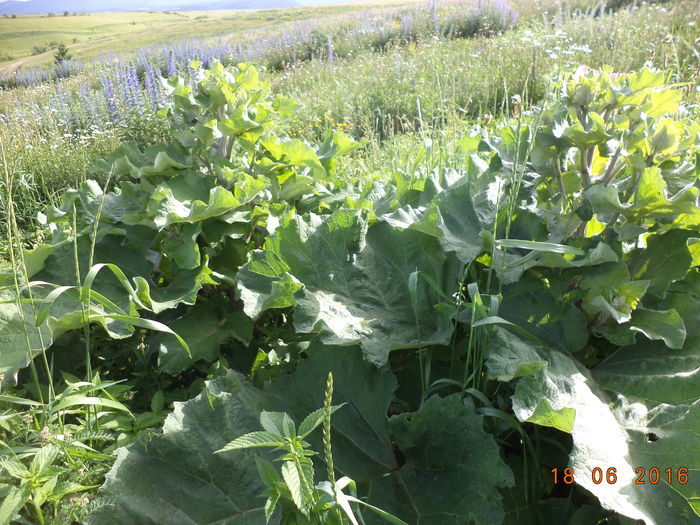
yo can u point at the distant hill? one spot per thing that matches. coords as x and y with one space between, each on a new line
14 7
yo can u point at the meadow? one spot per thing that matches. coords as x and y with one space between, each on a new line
388 262
28 38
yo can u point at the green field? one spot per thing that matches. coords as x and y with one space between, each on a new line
90 35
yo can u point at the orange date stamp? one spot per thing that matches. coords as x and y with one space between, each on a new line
644 475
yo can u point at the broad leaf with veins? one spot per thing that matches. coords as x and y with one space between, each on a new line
356 282
610 429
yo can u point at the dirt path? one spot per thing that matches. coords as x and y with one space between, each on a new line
11 68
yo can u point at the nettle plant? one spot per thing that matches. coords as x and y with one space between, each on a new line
302 501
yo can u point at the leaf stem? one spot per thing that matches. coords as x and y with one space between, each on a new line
610 171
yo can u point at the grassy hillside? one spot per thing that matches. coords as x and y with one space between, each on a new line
89 35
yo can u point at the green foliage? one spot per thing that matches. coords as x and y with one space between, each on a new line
232 407
352 283
295 491
62 54
532 310
183 215
50 456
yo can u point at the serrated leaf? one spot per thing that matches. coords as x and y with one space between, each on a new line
313 420
43 459
15 469
298 486
254 439
310 422
273 422
288 426
270 506
267 471
12 503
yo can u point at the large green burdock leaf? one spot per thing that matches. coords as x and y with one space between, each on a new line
169 209
20 340
177 479
361 443
460 222
160 159
610 291
295 152
652 203
613 429
204 327
539 309
512 266
666 437
658 393
19 336
651 372
371 286
665 325
665 259
133 259
452 468
456 216
57 294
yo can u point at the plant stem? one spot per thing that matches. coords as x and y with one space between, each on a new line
585 175
11 229
610 171
327 449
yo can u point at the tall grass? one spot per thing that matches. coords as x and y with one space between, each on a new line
378 95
